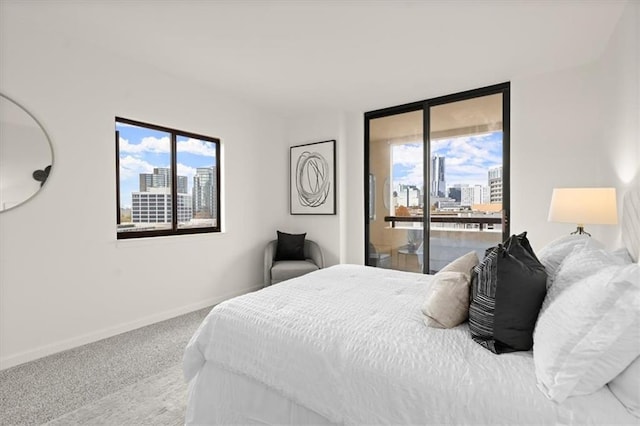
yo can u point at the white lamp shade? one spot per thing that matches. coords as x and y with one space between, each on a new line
584 205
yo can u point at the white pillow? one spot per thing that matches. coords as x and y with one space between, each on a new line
552 255
447 303
583 261
589 334
623 254
626 387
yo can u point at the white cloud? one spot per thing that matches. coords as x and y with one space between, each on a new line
189 172
196 146
467 159
131 167
407 154
413 177
147 144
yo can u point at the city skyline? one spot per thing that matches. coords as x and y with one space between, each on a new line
468 159
141 150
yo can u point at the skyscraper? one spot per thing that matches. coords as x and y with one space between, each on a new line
204 188
470 195
183 185
146 181
152 204
161 178
495 185
438 185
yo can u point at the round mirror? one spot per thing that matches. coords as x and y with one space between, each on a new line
25 154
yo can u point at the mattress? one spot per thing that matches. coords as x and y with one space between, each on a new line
347 345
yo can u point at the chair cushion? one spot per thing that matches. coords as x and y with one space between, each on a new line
287 269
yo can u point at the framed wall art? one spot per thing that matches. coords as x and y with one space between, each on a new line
312 179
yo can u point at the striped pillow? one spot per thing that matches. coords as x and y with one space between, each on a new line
507 289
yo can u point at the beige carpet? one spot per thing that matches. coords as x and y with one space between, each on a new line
156 400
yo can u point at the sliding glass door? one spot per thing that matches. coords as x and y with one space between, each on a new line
396 189
437 181
466 155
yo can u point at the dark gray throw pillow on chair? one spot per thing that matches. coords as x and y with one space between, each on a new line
290 246
507 290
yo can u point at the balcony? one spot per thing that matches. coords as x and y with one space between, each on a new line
451 236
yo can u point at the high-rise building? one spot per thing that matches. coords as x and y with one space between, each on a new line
438 185
154 206
470 195
486 198
455 192
183 185
495 185
204 188
146 181
408 196
161 178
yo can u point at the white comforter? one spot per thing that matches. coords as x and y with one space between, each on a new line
349 343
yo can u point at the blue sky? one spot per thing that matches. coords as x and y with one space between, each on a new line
467 159
142 150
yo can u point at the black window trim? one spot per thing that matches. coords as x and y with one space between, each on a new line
174 133
425 105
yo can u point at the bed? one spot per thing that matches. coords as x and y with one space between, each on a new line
348 345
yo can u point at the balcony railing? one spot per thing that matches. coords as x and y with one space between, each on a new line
480 220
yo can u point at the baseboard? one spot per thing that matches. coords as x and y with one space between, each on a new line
50 349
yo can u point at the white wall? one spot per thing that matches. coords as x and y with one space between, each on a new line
574 127
341 236
619 74
324 229
554 126
578 127
64 278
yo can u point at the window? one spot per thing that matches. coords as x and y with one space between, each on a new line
168 181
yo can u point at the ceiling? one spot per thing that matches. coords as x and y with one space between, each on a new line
299 57
468 117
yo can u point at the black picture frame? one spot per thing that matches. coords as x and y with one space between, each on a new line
312 178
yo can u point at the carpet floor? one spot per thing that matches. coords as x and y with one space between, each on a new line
134 378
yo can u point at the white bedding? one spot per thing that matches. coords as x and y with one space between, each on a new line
349 343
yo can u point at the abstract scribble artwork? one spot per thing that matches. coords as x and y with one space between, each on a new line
313 178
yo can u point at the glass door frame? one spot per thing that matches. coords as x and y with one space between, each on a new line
425 106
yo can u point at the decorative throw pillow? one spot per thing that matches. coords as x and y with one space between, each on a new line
584 260
626 387
507 289
447 303
463 264
589 334
552 255
290 246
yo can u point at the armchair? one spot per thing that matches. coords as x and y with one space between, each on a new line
277 271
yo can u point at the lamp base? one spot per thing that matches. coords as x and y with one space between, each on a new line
580 230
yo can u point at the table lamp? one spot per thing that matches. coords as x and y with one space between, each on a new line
584 206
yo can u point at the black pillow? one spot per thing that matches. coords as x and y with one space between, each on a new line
290 246
507 290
